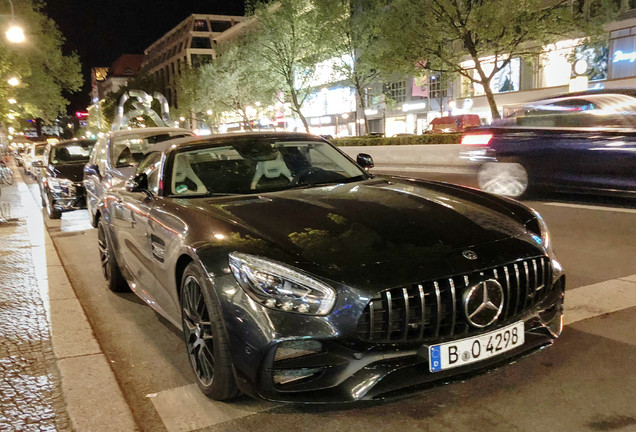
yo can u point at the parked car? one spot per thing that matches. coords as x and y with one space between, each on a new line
115 158
60 174
582 142
35 152
297 276
454 124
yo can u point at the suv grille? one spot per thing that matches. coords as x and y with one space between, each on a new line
434 309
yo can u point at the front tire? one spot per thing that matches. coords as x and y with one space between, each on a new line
503 178
204 336
114 279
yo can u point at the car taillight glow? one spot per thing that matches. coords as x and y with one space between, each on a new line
476 139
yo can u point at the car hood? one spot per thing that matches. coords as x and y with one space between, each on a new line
386 220
73 172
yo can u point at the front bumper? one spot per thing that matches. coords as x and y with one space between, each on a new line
68 198
294 358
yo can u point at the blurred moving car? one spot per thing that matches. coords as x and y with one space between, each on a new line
581 142
454 124
295 275
60 176
35 152
115 158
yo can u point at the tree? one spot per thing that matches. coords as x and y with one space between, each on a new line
441 35
43 70
351 39
230 84
286 43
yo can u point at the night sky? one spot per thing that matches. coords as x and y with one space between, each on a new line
101 30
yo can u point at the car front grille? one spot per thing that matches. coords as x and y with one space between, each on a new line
434 309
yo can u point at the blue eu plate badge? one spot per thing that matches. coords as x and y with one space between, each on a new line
435 358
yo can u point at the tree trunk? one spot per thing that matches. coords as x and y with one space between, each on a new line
361 100
296 108
490 97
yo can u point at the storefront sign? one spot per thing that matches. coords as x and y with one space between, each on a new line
620 56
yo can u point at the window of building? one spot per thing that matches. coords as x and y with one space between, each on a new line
179 67
201 26
437 86
220 26
200 42
396 91
200 59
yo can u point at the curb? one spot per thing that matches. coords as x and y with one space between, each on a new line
94 400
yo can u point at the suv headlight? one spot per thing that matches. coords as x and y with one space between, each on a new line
280 287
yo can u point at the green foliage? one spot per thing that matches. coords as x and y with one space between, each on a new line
45 73
287 42
402 140
231 84
440 35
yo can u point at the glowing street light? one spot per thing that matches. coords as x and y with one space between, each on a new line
13 81
12 101
15 34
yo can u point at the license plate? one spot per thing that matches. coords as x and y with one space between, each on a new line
470 350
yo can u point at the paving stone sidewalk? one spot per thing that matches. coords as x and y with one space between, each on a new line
31 396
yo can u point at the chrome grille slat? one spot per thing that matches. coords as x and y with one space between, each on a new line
407 315
389 303
420 290
438 300
516 267
454 303
430 309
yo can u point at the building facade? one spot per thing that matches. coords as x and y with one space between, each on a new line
191 43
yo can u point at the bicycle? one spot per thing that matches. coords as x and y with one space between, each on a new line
6 175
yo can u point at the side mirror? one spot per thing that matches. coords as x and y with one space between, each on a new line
91 169
137 183
365 160
37 164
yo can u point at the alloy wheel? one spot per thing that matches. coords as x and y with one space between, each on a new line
104 256
503 178
197 329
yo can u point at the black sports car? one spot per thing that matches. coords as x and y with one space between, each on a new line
295 275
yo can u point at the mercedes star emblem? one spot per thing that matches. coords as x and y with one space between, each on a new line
483 303
468 254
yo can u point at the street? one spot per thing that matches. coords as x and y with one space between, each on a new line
585 381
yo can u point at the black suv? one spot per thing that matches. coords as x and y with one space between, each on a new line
60 176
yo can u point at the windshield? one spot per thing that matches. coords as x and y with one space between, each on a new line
257 165
128 151
77 152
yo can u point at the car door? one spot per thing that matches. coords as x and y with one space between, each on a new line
131 222
93 172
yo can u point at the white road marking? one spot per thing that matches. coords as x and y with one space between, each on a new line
599 299
592 207
184 409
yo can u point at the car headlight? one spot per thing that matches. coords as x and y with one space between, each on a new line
538 226
60 185
280 287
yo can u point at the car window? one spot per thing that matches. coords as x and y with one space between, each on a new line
39 150
251 165
128 151
150 166
74 153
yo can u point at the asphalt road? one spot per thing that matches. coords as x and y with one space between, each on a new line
584 382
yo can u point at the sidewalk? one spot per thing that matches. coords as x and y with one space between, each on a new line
53 375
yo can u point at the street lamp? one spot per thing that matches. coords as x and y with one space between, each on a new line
15 33
13 81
